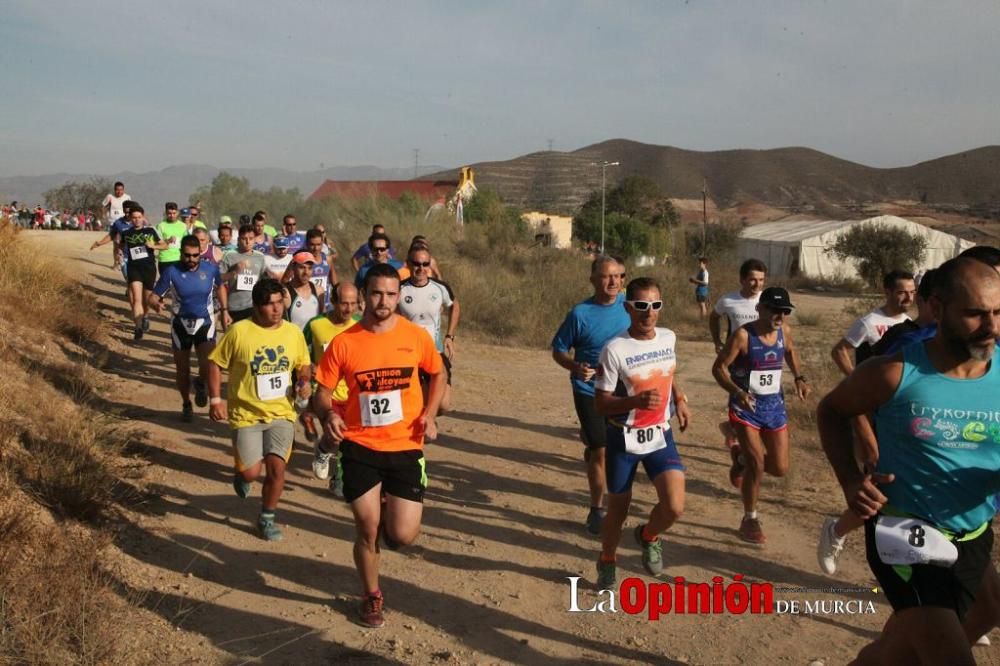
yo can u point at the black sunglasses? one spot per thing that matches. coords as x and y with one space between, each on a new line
191 256
423 264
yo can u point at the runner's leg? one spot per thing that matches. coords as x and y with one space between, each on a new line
753 452
614 519
367 511
182 362
920 635
776 460
275 481
402 519
670 502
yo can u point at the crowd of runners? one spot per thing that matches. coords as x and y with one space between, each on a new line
364 364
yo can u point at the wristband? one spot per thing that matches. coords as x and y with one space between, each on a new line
214 401
680 397
801 378
449 337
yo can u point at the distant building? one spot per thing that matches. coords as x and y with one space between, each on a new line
393 189
551 230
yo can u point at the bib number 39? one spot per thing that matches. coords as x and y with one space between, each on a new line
644 440
381 409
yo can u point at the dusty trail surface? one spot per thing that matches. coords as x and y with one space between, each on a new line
503 530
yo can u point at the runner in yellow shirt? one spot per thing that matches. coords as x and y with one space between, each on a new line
260 354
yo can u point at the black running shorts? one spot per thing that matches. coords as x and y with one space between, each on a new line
593 427
401 473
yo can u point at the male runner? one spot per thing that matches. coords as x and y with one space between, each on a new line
260 354
749 369
194 283
739 308
323 273
139 244
363 254
240 271
380 246
586 329
278 261
382 425
265 227
114 207
171 230
319 333
261 239
224 235
113 236
867 330
636 382
422 301
296 239
928 506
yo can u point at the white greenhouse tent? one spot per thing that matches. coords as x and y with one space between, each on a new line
799 247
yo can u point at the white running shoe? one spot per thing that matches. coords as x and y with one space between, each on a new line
829 547
983 640
321 463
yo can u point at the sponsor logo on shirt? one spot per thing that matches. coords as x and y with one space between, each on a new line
384 379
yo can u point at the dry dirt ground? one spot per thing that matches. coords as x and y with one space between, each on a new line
487 581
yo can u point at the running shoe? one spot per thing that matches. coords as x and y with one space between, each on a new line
736 470
145 323
829 547
983 640
200 392
751 531
268 528
371 611
607 574
310 427
241 486
594 520
187 411
321 463
137 333
652 553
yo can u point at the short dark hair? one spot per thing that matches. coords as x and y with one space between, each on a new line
375 237
245 219
171 205
926 286
314 233
136 208
890 278
190 241
640 284
259 216
118 182
376 227
264 289
703 259
246 229
285 219
378 271
751 265
128 206
984 253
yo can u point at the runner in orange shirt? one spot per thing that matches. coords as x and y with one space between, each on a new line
382 425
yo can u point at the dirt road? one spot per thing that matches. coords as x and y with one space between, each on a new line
488 580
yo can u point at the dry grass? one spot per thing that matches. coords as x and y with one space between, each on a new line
60 472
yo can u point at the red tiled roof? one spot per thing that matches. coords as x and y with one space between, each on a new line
353 189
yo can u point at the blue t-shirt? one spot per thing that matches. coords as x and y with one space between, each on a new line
263 247
117 227
940 436
365 252
586 329
193 289
296 242
359 279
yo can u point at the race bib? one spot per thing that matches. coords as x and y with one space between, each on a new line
319 283
138 252
644 440
192 325
381 409
245 281
273 386
765 382
902 540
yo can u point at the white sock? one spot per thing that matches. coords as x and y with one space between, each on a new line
751 515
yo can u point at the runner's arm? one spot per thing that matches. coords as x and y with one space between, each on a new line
454 313
607 404
103 241
715 329
681 406
434 396
841 355
217 407
867 388
736 345
794 364
578 370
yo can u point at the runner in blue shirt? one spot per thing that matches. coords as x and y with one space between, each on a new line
587 328
194 283
296 239
380 245
114 234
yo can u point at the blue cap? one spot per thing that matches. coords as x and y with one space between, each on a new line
281 242
185 212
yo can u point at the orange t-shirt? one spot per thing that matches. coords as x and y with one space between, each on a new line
384 399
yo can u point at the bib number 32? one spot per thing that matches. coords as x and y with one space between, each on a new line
381 409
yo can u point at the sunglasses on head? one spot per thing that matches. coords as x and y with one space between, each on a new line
642 306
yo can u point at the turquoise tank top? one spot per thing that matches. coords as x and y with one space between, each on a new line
940 436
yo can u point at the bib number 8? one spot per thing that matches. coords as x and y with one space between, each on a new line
916 538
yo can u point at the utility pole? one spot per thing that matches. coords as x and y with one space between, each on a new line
416 163
704 215
604 164
550 142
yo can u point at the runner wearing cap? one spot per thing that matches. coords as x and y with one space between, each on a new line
224 235
635 387
240 271
382 425
278 261
140 244
194 284
739 308
749 369
260 354
289 231
302 299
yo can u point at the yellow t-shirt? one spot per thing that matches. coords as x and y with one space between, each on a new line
319 332
260 363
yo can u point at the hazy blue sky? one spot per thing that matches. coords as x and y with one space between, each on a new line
104 86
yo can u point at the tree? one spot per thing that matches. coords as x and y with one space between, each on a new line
74 195
878 249
233 196
638 205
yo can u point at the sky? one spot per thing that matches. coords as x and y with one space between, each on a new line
103 87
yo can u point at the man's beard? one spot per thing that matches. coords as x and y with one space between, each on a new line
965 348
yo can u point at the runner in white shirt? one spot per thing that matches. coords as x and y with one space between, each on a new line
900 292
277 262
739 308
636 386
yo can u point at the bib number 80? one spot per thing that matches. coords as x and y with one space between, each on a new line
645 435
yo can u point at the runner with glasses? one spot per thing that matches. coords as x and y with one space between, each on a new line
380 246
749 369
635 388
